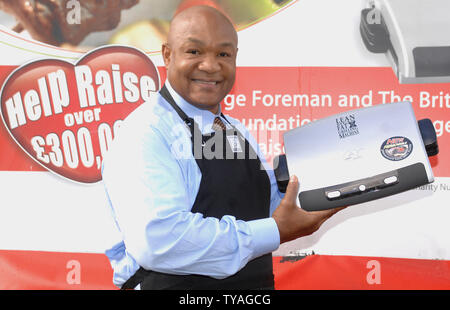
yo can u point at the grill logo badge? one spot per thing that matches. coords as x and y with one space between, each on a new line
396 148
346 126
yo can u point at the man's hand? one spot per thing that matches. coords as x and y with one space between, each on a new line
292 221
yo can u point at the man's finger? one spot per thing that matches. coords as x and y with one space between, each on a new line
292 189
336 210
330 212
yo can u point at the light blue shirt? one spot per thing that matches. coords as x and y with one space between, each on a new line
151 179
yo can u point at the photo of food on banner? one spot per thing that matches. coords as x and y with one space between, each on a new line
83 25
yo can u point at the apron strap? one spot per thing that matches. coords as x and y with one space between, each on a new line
189 121
166 95
135 279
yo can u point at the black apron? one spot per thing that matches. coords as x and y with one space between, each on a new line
239 187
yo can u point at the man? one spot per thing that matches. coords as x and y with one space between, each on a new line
189 220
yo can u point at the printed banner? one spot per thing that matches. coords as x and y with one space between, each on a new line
64 116
72 70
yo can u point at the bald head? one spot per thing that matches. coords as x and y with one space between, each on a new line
207 15
200 56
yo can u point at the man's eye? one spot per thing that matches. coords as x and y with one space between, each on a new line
224 54
193 52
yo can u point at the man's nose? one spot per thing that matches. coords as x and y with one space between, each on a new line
209 64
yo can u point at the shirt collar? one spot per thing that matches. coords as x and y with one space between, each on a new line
203 118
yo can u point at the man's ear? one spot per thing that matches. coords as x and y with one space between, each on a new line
166 52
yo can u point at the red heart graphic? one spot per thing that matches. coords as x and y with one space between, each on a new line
64 115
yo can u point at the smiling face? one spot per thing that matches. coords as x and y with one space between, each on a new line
200 56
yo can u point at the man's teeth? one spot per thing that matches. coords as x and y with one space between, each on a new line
206 82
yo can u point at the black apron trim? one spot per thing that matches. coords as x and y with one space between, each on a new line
163 281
